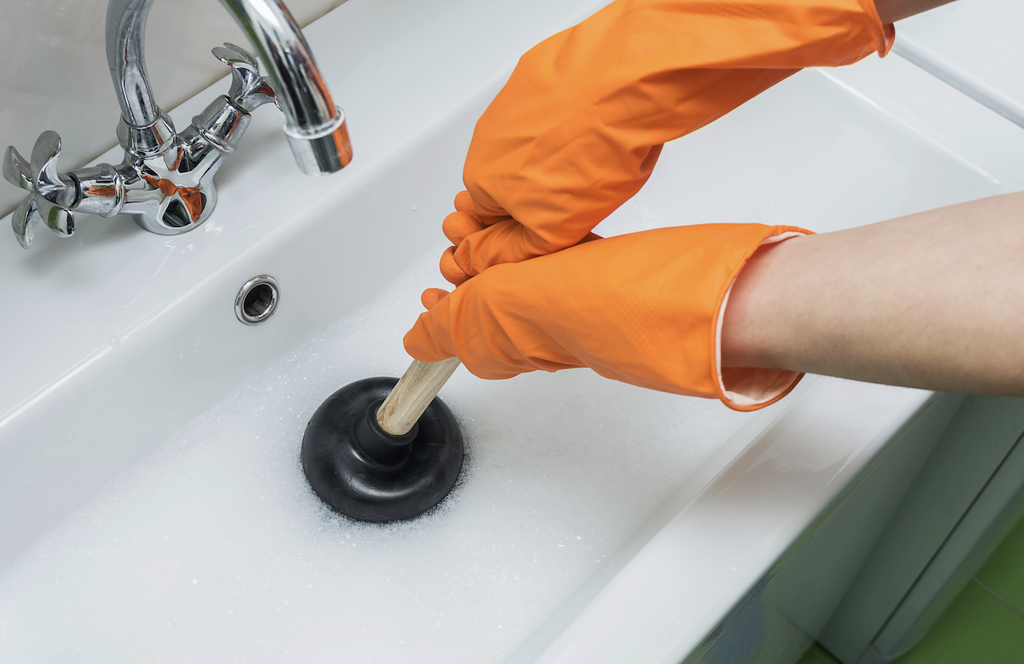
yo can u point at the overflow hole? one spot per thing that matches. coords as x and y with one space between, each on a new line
257 300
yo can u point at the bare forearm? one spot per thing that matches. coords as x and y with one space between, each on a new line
933 300
891 11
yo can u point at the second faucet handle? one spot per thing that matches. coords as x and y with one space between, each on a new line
51 192
249 90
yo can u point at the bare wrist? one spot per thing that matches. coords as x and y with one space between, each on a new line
753 327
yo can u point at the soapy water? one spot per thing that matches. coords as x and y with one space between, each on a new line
215 549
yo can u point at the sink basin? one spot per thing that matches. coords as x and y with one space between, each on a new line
151 499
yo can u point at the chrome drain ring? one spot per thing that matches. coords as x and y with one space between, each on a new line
257 299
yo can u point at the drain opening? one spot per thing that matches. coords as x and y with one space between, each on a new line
257 300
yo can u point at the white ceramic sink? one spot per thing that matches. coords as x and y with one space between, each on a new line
151 500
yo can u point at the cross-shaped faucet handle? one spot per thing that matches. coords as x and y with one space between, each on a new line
50 193
249 89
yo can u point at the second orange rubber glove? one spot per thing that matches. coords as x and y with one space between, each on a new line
578 128
643 308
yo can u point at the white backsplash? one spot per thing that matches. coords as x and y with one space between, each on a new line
55 74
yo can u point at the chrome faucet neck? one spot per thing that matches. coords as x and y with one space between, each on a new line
126 57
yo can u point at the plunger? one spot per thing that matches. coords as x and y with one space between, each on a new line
383 449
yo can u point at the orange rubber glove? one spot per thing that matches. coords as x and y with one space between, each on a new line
643 308
577 129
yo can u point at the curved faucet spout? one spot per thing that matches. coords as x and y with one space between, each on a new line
315 127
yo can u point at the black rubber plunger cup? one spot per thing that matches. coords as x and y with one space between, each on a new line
383 449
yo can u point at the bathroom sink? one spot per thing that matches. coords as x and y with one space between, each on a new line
152 504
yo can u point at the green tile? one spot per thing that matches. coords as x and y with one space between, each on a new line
818 655
1003 572
976 628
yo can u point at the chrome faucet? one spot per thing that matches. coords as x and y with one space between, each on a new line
166 179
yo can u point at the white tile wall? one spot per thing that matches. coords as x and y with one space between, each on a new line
54 69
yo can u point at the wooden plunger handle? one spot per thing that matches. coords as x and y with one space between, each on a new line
415 390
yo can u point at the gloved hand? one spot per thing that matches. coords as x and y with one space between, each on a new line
577 129
643 308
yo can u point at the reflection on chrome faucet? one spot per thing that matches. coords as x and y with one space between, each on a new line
166 179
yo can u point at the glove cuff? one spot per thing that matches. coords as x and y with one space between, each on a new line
884 35
751 389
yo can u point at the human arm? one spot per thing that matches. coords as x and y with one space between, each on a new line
739 311
577 129
932 300
642 308
891 11
513 321
579 126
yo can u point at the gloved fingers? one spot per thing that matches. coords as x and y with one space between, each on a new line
451 270
456 273
464 203
432 296
504 242
459 225
492 356
430 340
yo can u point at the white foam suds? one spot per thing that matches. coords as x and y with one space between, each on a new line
215 550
